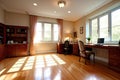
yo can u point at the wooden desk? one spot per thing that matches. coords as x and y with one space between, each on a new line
74 48
113 54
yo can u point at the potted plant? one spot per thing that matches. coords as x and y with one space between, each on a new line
88 39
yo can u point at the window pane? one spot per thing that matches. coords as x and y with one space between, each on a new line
38 33
55 33
116 25
47 32
87 30
94 25
104 27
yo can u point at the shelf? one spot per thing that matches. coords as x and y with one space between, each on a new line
1 30
17 34
2 35
10 30
17 44
21 31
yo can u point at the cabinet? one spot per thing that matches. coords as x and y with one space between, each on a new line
73 49
60 49
16 34
2 51
2 33
15 50
113 53
114 57
16 41
2 41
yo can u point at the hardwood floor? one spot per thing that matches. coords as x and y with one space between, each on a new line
53 67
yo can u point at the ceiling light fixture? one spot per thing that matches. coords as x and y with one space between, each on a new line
35 4
61 3
69 11
54 11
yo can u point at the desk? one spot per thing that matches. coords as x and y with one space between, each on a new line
113 54
74 48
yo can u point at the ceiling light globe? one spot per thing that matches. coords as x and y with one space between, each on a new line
61 4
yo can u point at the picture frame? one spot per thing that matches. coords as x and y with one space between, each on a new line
81 30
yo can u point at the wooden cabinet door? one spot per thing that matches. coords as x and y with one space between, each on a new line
10 50
114 57
60 48
16 50
21 50
2 52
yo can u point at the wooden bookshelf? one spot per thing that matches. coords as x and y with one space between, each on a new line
2 41
2 34
16 34
16 41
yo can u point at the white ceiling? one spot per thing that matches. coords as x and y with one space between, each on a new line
46 8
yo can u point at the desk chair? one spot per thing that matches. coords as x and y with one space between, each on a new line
85 53
66 47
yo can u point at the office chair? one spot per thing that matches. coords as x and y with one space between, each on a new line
66 47
85 53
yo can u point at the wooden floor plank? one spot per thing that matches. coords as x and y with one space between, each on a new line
54 67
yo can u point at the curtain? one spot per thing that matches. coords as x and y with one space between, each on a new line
32 21
60 24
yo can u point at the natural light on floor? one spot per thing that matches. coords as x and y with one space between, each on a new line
2 71
17 66
59 60
29 63
38 62
50 61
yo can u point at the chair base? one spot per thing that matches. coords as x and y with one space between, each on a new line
86 59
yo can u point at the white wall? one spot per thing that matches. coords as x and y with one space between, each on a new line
78 24
1 15
45 48
47 19
68 27
16 19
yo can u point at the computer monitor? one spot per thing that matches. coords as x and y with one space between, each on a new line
100 40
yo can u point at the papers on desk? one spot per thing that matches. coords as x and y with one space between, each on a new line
98 44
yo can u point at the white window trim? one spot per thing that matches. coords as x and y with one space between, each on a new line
52 37
109 25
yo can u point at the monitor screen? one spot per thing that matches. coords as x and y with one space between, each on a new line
100 40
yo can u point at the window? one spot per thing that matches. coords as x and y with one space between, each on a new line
38 33
106 26
46 32
115 25
94 25
55 32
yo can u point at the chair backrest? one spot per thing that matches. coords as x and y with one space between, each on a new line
66 44
81 47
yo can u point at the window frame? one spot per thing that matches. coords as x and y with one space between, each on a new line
109 13
52 33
